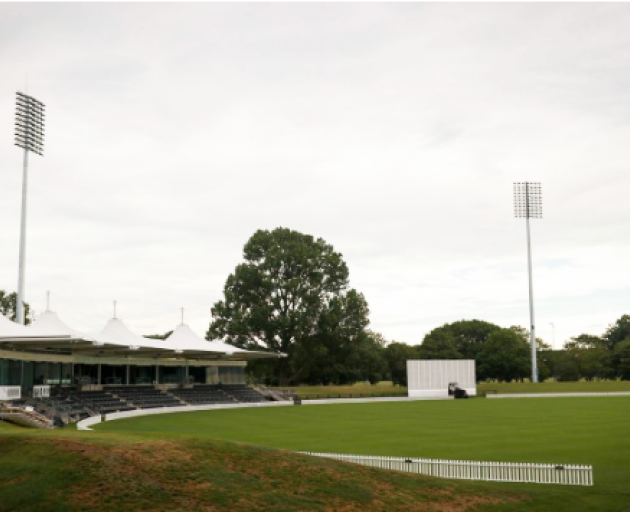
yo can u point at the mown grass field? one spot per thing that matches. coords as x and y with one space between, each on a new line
559 430
234 460
360 389
602 386
386 388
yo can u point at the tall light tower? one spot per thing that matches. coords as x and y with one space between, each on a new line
29 135
528 204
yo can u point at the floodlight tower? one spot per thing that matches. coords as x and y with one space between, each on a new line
29 135
528 204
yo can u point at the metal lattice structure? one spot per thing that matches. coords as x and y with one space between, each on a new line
29 124
528 200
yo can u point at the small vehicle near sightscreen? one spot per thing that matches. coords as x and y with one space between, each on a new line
441 378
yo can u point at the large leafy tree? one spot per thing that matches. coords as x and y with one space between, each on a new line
440 344
289 295
504 356
397 355
594 363
618 332
526 337
343 362
8 307
341 351
622 356
471 335
585 341
463 339
566 366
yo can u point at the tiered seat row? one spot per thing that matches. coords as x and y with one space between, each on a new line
67 405
200 395
243 393
101 401
61 407
145 397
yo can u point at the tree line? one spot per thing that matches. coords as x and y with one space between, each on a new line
8 307
291 295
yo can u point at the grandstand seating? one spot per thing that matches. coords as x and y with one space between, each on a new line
68 405
100 402
61 407
145 397
203 394
242 393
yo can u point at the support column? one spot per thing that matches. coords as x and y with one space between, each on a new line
157 373
128 372
186 373
20 314
532 331
98 377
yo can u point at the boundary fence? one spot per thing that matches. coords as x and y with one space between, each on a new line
474 470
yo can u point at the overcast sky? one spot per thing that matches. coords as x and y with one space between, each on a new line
393 131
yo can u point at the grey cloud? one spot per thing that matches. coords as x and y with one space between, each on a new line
394 131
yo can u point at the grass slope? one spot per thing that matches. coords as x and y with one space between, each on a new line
564 430
68 471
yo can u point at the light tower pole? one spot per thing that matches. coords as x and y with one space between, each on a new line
528 204
29 135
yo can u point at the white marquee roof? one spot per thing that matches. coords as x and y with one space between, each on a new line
51 322
49 332
184 338
12 330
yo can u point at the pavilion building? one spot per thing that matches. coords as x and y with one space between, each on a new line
51 353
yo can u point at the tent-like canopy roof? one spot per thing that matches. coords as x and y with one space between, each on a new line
51 322
183 338
50 333
12 331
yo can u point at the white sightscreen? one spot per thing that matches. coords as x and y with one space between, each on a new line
432 377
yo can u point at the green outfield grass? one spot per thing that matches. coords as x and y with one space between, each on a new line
601 386
388 389
561 430
198 460
355 390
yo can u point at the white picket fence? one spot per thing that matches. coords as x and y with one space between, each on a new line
473 470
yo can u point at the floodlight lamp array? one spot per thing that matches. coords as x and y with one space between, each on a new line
29 124
528 200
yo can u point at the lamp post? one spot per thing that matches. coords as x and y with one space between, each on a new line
528 204
29 135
